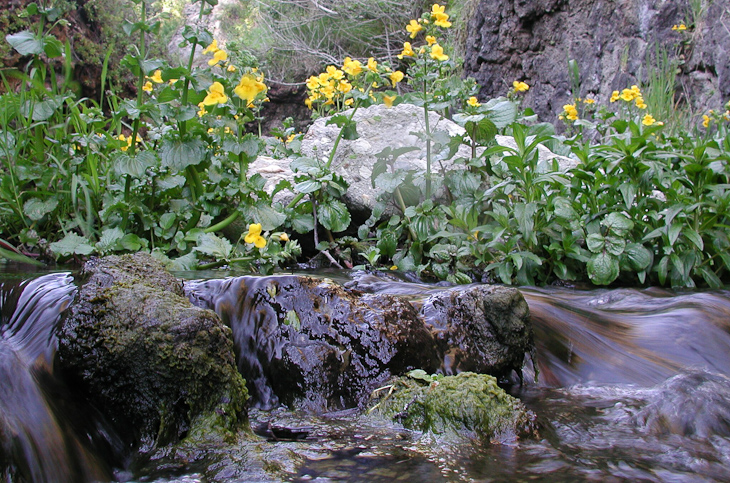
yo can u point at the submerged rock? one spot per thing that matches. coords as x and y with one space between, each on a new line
467 405
138 349
313 344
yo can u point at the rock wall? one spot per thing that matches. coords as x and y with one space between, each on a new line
532 41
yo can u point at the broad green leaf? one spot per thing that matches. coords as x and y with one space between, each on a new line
628 192
171 182
214 246
333 215
618 223
603 268
387 244
301 222
35 208
389 182
108 240
615 245
711 279
639 257
268 217
26 43
132 242
595 242
178 154
167 221
41 110
564 209
72 244
307 186
501 112
134 166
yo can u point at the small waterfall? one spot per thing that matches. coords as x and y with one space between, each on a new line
37 443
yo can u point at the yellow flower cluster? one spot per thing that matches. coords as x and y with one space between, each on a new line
520 86
128 140
440 18
331 84
570 112
219 55
679 27
628 95
156 78
473 102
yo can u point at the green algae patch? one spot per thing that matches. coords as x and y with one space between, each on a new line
161 368
467 405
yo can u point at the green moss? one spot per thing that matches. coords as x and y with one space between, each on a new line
469 404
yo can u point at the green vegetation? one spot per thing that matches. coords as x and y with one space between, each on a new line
636 199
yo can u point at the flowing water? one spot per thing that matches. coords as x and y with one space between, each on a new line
628 385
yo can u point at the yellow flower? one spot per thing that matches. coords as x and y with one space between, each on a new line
430 39
437 52
705 120
413 28
216 95
350 101
520 86
441 19
614 96
249 87
231 68
335 73
284 237
344 86
679 27
372 65
394 267
648 120
147 87
407 51
352 67
254 236
172 81
627 95
201 112
388 100
122 137
640 102
212 48
218 56
589 101
156 77
308 102
473 102
571 112
396 77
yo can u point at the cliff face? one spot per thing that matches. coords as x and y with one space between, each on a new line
612 41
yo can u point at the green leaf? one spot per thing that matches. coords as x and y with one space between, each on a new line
52 47
334 215
214 246
639 257
36 209
628 192
178 154
134 166
72 244
43 110
167 221
307 186
292 320
615 245
603 268
563 208
267 216
26 43
108 240
618 223
132 242
595 242
389 182
694 237
710 278
502 112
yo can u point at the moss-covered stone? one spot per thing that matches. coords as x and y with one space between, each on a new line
136 347
453 407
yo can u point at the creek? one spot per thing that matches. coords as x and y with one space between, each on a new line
627 385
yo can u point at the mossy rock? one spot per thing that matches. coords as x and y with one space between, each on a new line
161 368
467 405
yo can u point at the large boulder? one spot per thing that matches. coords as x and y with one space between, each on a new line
316 345
313 344
134 346
378 127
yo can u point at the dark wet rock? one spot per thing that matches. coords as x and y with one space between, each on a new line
467 405
313 344
140 351
480 328
690 404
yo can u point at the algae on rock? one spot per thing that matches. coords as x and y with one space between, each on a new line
133 345
467 405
